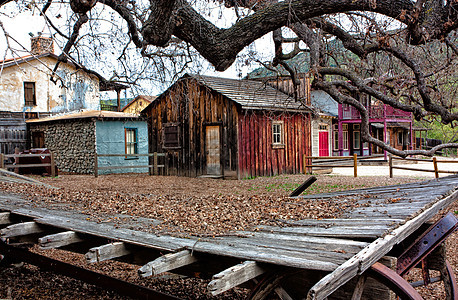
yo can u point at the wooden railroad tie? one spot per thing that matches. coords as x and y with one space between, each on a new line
59 240
167 262
106 252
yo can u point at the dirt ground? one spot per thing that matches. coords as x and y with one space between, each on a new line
218 206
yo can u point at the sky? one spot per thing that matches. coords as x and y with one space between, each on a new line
20 25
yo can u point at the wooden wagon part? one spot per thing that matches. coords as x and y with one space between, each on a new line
331 252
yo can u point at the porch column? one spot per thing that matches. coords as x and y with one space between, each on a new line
340 138
384 138
118 99
411 136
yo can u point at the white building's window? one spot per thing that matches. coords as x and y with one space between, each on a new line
336 137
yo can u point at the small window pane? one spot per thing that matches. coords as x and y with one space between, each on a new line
131 141
277 132
356 140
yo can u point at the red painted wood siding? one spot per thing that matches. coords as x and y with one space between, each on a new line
257 156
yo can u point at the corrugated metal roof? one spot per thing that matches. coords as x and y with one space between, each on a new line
86 114
251 94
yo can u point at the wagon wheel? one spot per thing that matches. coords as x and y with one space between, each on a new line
269 287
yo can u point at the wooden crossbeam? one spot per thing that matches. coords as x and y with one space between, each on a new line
166 263
59 240
5 218
20 229
234 276
106 252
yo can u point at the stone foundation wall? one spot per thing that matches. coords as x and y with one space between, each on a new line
72 142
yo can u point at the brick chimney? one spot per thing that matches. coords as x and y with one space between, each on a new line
41 45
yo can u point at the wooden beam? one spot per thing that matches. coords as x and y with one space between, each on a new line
300 189
106 252
234 276
20 229
5 218
359 288
374 251
59 240
166 263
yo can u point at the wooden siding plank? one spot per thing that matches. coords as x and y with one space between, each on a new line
269 157
256 144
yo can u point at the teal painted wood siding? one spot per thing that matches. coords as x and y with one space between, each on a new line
110 139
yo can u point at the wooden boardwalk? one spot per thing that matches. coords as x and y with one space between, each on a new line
342 248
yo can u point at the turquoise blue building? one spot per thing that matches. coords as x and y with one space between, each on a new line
76 138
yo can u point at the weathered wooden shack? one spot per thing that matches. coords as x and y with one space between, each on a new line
212 126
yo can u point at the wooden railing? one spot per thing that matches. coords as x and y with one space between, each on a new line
153 168
333 161
17 166
434 160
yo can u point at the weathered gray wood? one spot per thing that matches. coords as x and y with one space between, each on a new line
59 240
359 288
345 222
108 231
234 276
167 262
333 231
372 253
20 229
12 174
5 218
282 294
313 243
106 252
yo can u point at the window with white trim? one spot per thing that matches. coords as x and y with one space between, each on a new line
336 137
277 133
345 136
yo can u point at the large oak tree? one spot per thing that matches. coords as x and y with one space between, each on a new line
400 52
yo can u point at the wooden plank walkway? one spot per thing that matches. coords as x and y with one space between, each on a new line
344 247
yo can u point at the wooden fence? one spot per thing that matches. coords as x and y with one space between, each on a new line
434 160
332 161
17 166
153 168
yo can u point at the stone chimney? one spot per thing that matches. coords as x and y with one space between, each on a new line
41 45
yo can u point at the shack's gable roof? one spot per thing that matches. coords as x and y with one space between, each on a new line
98 114
146 98
251 94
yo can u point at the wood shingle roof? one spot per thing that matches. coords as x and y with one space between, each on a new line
251 94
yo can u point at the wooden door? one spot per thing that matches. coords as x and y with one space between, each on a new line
324 143
213 150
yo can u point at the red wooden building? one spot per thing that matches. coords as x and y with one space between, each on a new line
220 127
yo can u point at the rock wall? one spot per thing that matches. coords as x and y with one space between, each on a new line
72 142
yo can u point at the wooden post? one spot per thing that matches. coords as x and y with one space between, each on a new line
16 160
96 165
53 165
355 164
2 160
155 163
436 171
390 163
305 163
